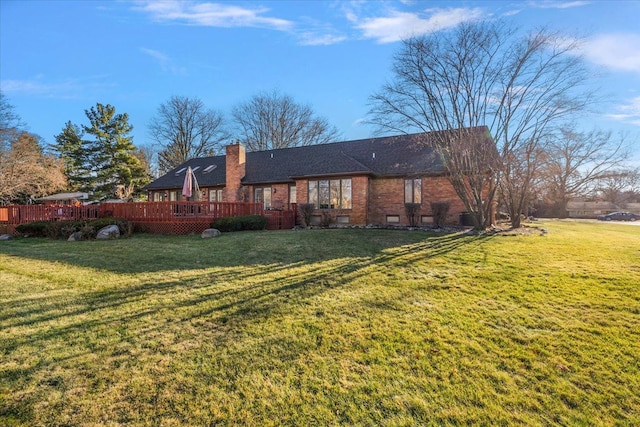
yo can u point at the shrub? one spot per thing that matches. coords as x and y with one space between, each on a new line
240 223
63 229
33 229
305 210
440 212
413 213
327 220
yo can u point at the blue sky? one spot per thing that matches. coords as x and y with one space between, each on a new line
58 58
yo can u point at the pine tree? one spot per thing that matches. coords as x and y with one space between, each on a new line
111 154
72 149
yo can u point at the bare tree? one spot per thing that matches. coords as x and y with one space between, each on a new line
186 129
271 120
577 162
484 74
10 122
26 171
620 186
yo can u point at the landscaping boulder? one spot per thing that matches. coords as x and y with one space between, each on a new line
210 232
108 232
6 237
75 237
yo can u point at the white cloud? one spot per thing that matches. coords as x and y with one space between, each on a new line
629 113
512 12
312 39
555 4
164 61
211 14
66 89
619 51
399 25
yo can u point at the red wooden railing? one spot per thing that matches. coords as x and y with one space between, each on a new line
19 214
147 212
177 211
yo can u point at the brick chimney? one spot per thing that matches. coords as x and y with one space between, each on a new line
236 167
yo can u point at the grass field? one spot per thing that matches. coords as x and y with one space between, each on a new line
323 327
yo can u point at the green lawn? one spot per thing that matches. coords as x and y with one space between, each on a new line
324 327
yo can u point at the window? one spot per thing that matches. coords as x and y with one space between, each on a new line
263 195
173 196
292 194
209 168
413 190
215 195
180 171
158 196
195 169
342 219
330 194
393 219
427 219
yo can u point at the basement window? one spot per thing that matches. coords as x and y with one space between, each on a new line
426 219
342 219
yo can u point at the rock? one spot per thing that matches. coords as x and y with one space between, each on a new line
210 232
108 232
6 237
75 237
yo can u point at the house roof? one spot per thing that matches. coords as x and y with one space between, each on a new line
402 155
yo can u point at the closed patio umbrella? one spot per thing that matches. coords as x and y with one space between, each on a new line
188 183
190 186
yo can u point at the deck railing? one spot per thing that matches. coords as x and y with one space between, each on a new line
146 212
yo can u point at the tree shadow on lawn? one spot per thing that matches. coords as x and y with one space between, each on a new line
153 253
109 325
208 285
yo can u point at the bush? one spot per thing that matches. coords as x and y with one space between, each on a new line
240 223
305 210
63 229
33 229
440 212
413 213
327 220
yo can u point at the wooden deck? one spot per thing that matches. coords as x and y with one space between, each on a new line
154 217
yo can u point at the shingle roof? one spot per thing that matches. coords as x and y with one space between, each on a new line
402 155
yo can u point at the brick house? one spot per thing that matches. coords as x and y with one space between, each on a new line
361 182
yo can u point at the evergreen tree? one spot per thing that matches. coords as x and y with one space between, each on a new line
72 149
111 154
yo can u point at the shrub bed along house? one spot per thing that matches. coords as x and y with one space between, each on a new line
240 223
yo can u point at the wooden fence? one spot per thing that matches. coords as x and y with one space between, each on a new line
156 217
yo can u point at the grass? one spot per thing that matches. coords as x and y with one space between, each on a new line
333 327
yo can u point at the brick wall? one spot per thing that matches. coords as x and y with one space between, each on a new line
387 198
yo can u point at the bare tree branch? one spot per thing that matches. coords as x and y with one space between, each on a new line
271 120
484 74
184 129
